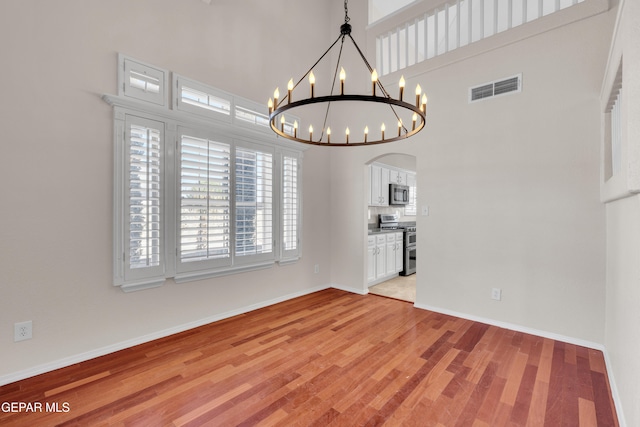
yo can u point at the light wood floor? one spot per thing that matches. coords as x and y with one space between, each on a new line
329 359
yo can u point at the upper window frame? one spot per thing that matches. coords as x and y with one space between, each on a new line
174 123
127 65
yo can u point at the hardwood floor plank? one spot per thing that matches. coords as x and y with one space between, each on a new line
538 406
329 359
605 409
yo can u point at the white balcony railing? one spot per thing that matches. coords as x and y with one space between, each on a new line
454 25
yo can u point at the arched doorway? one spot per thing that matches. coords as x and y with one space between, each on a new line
391 253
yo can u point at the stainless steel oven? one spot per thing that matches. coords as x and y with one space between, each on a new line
410 252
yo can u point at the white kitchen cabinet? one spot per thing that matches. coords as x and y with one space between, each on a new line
390 264
376 257
397 177
379 179
399 253
371 258
394 255
381 256
384 256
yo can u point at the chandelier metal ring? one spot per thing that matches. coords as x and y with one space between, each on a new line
347 97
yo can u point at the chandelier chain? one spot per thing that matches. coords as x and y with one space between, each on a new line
346 12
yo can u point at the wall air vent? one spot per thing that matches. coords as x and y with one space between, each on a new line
496 88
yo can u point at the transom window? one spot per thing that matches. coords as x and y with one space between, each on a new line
197 198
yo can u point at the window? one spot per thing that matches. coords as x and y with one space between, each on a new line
144 196
411 209
290 206
200 99
205 200
379 9
254 203
142 81
195 198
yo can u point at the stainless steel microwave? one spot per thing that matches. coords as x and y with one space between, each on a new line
398 194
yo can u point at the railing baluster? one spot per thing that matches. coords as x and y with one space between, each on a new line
495 17
446 27
406 44
397 49
416 37
481 12
457 45
470 19
540 3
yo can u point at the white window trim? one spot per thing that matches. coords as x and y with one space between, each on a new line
175 122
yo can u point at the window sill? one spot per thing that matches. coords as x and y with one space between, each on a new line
200 275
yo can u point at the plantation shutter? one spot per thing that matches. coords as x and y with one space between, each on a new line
205 201
142 81
290 207
254 203
143 198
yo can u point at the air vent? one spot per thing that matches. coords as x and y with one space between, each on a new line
500 87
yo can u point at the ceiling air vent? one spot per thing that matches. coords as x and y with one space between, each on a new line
500 87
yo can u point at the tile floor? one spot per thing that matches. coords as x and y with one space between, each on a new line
400 287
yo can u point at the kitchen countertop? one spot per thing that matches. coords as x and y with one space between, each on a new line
377 230
383 231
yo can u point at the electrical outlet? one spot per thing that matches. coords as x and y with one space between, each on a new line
22 331
496 294
316 268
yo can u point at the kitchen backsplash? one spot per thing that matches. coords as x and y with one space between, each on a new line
375 211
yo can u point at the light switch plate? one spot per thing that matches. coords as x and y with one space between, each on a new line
425 210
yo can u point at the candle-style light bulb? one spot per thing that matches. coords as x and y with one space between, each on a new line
399 127
346 132
289 89
382 130
401 85
276 95
418 93
282 121
343 76
310 132
328 134
312 82
424 102
415 119
295 129
374 81
270 105
366 133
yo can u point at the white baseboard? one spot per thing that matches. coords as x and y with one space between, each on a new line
350 289
514 327
92 354
614 390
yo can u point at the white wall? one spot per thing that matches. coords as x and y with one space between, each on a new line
622 335
511 183
56 163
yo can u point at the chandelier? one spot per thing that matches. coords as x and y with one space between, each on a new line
398 108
